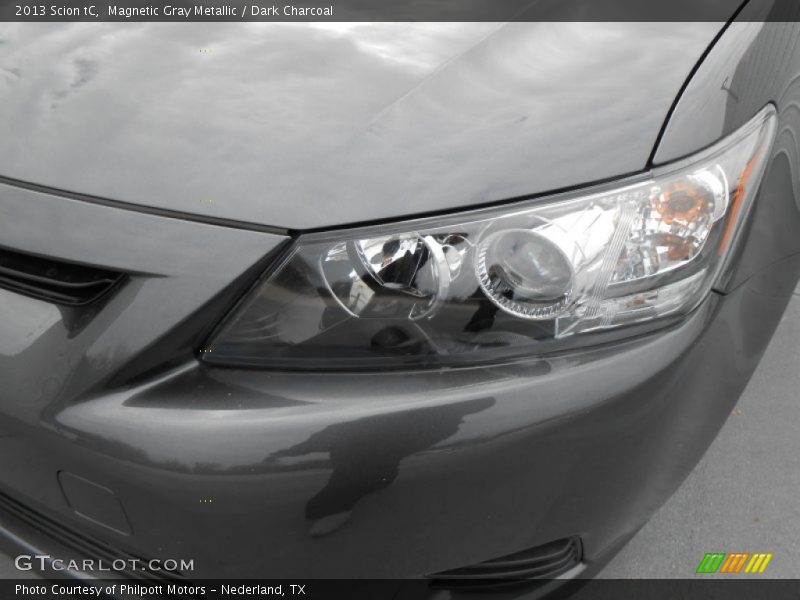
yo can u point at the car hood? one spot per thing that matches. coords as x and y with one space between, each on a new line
304 126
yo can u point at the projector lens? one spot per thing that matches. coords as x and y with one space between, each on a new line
525 274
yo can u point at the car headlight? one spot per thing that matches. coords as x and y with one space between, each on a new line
504 281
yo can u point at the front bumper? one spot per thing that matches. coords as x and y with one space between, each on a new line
254 474
352 475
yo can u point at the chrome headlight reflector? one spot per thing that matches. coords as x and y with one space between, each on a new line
502 282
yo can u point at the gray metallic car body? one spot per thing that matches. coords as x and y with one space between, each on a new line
477 462
308 126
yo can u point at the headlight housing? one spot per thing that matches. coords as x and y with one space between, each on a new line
507 281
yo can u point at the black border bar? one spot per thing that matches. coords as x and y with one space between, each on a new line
699 588
64 11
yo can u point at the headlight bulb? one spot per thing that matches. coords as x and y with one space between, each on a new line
400 276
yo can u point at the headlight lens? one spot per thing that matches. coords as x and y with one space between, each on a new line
505 281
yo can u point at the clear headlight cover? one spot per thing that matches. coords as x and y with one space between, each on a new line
503 282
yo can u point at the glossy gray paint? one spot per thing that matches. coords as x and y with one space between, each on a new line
440 468
312 125
176 268
755 62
